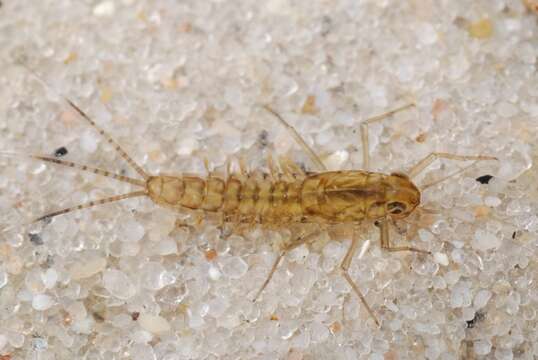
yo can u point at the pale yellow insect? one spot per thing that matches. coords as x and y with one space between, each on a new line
286 197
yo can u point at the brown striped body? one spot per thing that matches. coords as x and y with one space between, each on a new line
331 197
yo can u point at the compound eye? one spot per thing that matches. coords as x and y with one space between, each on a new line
396 207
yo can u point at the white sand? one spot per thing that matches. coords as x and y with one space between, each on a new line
179 81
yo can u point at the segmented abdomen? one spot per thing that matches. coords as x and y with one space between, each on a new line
248 199
342 196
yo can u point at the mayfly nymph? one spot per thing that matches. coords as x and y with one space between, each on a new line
284 197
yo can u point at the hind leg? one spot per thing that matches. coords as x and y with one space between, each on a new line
298 242
320 166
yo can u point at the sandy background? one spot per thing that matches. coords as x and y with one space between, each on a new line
179 81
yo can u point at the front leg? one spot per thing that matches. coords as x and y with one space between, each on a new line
385 240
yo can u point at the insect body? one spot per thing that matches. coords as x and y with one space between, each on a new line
282 198
331 197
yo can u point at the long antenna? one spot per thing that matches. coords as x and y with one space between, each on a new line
101 132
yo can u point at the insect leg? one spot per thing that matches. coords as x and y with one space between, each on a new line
273 269
385 241
300 241
364 132
311 154
344 266
424 163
